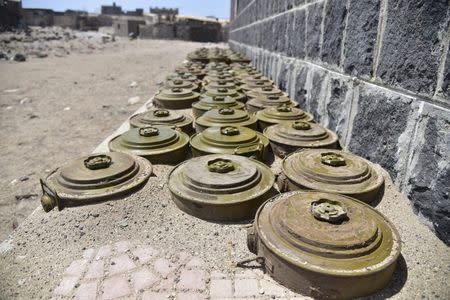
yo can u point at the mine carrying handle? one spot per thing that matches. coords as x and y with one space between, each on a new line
49 199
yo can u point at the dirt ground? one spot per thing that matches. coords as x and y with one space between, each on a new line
55 109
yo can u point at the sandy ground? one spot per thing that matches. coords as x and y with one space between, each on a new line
54 109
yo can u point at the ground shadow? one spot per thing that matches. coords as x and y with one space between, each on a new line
398 281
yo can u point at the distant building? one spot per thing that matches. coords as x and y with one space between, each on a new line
38 17
139 12
164 14
198 29
112 10
10 13
125 25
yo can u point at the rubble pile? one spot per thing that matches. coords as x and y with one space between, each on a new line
37 42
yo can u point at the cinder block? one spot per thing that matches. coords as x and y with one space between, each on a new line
429 176
317 91
361 35
279 34
301 74
379 125
297 39
446 80
314 21
337 104
333 31
411 46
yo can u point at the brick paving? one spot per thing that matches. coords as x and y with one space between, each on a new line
128 270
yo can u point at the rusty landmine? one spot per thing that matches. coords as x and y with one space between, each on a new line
332 171
93 178
325 245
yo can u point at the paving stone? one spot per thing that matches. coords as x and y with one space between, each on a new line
246 273
272 288
95 269
144 253
155 296
163 267
218 274
122 246
104 251
143 279
195 262
115 287
167 283
222 288
246 287
86 291
87 254
190 296
183 256
192 280
76 268
66 286
121 264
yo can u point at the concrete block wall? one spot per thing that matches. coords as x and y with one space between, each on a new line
375 71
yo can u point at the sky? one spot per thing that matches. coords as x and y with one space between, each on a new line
200 8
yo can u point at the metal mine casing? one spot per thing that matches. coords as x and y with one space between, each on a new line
288 137
255 85
224 92
262 102
225 117
183 76
221 84
180 83
265 92
163 117
159 144
230 140
219 77
332 171
324 245
207 103
93 178
221 187
275 115
176 98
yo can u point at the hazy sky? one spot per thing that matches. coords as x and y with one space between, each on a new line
202 8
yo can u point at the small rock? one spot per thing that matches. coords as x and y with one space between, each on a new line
14 181
10 91
25 101
133 84
24 178
32 116
95 215
66 108
123 223
19 57
8 108
134 100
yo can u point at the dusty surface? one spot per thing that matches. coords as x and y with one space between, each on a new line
53 109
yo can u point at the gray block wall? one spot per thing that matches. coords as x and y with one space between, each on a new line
375 71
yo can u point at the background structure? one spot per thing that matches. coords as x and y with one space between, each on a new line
375 71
